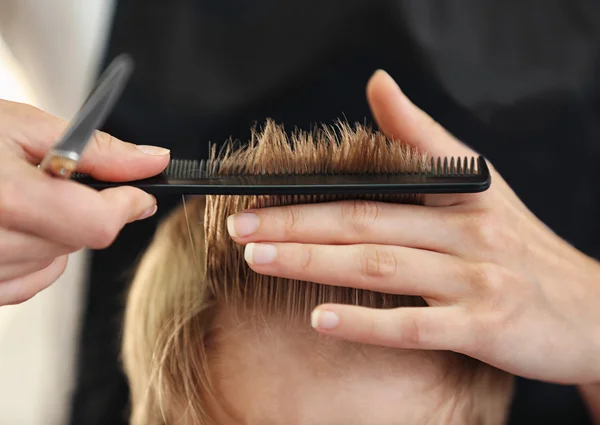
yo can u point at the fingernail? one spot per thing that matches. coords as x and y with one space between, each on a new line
152 150
149 212
382 72
389 78
324 319
259 253
242 224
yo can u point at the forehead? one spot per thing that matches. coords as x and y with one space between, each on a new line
294 379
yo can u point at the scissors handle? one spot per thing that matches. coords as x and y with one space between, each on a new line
59 163
63 157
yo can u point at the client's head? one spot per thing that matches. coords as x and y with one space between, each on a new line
209 341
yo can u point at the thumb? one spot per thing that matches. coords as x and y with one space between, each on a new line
105 157
401 119
110 159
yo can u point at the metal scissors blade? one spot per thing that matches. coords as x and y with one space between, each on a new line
62 159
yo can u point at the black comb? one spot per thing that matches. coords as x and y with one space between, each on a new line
190 177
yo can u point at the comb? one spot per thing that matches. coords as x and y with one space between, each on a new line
191 177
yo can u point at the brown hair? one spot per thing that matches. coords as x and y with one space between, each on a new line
193 271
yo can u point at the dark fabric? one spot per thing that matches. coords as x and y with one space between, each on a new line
515 80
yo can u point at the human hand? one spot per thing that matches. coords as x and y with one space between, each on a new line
43 219
500 285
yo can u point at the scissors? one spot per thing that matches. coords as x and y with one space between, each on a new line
62 159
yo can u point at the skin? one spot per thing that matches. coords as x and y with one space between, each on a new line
494 275
43 219
286 376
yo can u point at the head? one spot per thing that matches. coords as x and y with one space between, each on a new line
209 341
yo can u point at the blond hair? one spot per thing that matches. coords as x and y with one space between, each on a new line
193 271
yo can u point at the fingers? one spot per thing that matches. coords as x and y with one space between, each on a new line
30 128
346 222
424 328
23 288
381 268
400 119
20 247
105 158
66 212
110 159
130 204
14 270
469 233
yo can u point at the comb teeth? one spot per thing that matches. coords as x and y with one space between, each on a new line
203 169
444 167
438 167
184 168
451 175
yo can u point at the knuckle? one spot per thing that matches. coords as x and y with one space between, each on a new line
307 258
61 263
292 221
476 276
411 333
491 238
63 267
491 310
360 215
28 111
28 291
487 278
484 230
22 296
25 293
378 262
104 235
102 141
43 264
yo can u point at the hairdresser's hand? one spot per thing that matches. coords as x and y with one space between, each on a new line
43 219
503 288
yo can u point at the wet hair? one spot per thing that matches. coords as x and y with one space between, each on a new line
193 271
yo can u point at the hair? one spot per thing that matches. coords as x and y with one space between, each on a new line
193 271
